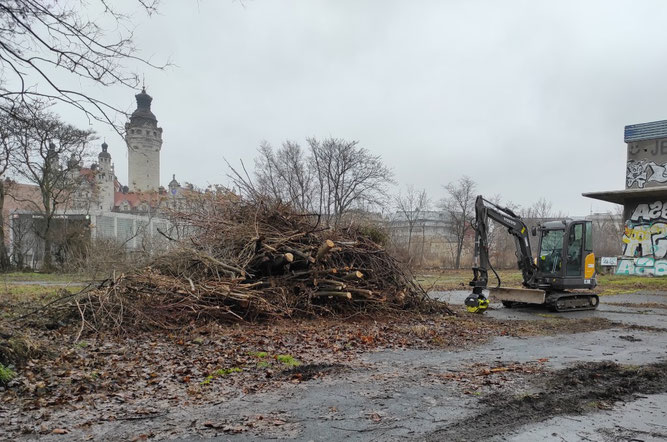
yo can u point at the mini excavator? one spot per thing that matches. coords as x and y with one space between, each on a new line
565 263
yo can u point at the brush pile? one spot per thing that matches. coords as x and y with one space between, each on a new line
245 262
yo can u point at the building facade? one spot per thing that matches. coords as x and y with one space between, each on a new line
133 214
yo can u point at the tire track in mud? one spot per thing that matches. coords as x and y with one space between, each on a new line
575 390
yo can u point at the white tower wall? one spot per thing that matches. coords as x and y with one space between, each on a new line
144 142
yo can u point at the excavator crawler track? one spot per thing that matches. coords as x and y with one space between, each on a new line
567 302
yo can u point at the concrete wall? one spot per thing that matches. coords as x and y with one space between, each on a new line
647 164
644 238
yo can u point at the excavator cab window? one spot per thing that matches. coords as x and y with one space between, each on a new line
589 237
551 251
575 245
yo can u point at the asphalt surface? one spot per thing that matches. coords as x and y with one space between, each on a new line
397 395
408 395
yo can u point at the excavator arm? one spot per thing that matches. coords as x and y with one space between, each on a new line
484 211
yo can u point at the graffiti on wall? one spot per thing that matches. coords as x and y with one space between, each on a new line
641 172
645 241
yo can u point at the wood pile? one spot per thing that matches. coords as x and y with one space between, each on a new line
247 262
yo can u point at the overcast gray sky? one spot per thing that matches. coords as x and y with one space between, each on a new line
528 98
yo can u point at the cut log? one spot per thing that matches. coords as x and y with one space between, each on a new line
362 292
302 255
282 260
329 282
353 275
324 249
330 293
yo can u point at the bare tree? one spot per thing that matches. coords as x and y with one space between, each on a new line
39 141
459 205
335 177
502 244
608 229
411 206
542 209
347 176
285 174
43 44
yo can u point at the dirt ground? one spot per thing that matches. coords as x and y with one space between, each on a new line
510 374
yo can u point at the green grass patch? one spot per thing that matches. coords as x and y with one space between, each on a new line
459 279
42 277
259 354
34 291
287 360
6 374
607 284
226 371
222 372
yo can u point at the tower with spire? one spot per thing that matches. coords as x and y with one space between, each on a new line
105 178
144 142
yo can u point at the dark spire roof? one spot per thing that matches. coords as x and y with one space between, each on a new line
173 183
143 114
104 153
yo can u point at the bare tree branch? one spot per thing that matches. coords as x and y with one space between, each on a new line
39 141
40 41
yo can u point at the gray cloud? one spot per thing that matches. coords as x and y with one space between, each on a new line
527 98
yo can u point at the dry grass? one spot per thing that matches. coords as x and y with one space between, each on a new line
607 284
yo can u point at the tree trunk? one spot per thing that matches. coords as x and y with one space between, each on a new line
421 258
4 256
459 249
47 263
409 244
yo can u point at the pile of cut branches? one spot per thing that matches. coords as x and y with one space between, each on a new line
246 262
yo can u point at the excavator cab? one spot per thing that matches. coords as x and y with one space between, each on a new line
565 258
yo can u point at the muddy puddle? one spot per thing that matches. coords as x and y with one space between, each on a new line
582 388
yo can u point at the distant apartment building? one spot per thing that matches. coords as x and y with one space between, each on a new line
428 233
